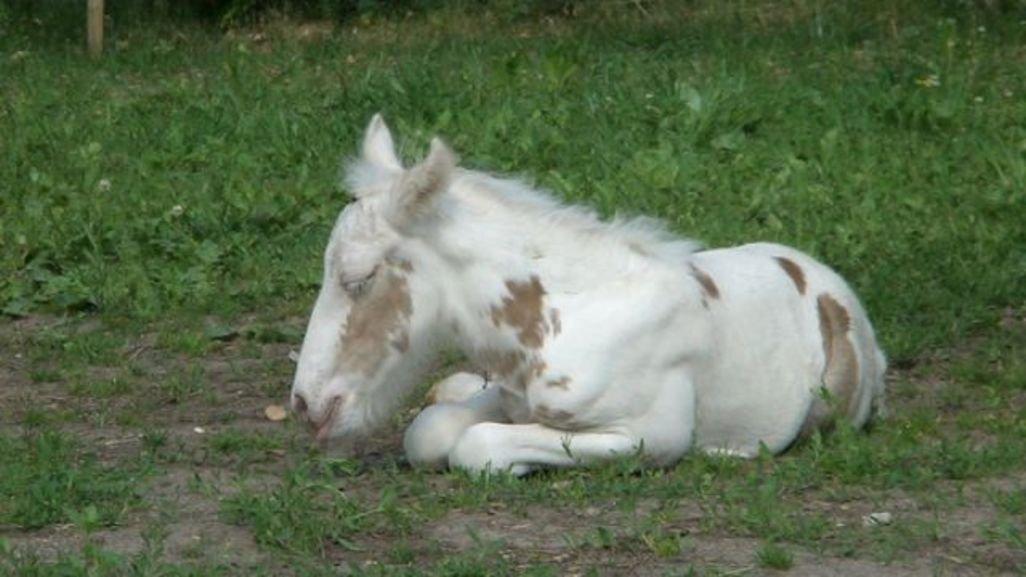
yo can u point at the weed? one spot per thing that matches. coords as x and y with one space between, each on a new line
179 387
773 556
104 388
302 515
242 446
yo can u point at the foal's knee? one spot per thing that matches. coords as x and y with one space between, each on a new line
431 436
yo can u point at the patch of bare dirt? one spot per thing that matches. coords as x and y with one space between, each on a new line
181 523
181 518
560 537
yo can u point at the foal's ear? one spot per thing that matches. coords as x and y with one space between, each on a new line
423 182
378 148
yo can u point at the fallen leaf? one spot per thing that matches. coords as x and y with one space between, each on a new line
275 413
877 519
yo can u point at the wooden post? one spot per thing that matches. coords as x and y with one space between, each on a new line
94 24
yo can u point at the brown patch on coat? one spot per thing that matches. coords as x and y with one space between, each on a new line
522 310
794 271
548 416
560 383
841 369
709 288
383 312
514 368
531 371
402 342
502 364
554 320
536 368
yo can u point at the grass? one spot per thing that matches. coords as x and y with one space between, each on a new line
773 556
163 211
302 515
48 481
199 173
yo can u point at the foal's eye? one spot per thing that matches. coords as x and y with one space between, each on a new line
356 288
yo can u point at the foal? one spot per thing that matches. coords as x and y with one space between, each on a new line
601 338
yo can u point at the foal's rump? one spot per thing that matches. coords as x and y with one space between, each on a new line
793 350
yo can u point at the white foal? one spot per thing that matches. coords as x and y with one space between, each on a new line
601 339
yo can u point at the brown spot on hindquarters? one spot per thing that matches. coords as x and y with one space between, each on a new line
794 271
709 288
522 310
554 320
840 378
384 311
560 383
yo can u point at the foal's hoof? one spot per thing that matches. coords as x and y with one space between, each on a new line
432 435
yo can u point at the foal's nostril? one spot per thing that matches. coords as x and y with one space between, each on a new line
299 404
323 428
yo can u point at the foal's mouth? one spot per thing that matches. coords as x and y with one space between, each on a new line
323 429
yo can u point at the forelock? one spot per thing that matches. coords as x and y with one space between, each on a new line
359 238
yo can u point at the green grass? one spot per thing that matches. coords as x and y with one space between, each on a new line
244 447
163 212
304 514
186 171
48 480
773 556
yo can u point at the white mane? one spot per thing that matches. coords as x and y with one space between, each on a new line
538 212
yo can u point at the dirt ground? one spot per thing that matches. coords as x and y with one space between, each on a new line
183 498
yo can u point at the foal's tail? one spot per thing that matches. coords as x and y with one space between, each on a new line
879 404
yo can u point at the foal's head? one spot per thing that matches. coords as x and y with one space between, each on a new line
365 332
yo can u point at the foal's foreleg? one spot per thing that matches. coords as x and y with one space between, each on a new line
433 434
522 448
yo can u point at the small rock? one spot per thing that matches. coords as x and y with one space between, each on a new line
275 413
293 355
199 430
877 519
